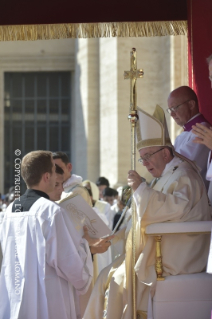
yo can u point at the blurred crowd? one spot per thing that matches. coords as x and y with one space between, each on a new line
6 199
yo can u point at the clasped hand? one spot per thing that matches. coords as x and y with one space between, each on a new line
97 245
134 179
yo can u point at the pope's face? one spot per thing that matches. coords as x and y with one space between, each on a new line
210 71
156 163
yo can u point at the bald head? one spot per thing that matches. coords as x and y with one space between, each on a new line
184 104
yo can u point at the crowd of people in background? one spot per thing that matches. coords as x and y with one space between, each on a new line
114 197
7 198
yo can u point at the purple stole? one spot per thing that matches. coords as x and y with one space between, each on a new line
198 119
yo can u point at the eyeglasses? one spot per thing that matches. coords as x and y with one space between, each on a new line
174 108
147 156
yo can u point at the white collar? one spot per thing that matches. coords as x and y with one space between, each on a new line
193 117
74 179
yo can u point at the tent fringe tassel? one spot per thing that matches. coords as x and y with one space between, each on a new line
92 30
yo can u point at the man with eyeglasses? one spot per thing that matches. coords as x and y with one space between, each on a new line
184 109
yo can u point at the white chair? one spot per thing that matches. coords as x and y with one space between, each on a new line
182 296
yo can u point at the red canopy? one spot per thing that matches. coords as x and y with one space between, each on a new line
200 47
84 11
66 18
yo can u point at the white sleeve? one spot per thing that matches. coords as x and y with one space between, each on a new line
109 213
196 152
209 171
74 266
182 197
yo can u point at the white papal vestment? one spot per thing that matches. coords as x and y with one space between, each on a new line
42 270
178 196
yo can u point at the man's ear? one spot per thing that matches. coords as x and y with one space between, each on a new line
69 166
45 177
192 104
166 153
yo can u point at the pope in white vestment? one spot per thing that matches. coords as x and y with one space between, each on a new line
178 195
42 271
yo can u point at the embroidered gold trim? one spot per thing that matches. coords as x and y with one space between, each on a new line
92 30
141 314
153 142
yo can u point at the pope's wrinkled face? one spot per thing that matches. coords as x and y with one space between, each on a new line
156 162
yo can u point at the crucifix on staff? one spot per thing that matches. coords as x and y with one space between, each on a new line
133 75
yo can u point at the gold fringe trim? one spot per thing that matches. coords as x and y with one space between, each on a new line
92 30
141 314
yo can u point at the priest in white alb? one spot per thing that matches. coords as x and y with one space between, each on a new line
177 194
183 107
42 271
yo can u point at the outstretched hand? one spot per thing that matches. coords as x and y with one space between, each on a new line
97 245
204 135
134 179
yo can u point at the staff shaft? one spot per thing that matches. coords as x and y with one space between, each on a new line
133 74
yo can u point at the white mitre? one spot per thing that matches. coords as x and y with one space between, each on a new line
152 129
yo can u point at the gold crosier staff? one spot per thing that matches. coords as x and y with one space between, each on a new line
133 74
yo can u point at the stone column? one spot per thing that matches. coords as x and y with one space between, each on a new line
109 121
85 123
2 132
179 72
153 56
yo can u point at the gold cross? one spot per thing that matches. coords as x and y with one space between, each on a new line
133 75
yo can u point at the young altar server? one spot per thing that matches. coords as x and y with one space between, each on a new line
42 271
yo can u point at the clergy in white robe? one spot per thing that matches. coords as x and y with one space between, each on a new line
101 208
72 183
73 186
177 195
43 271
184 109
